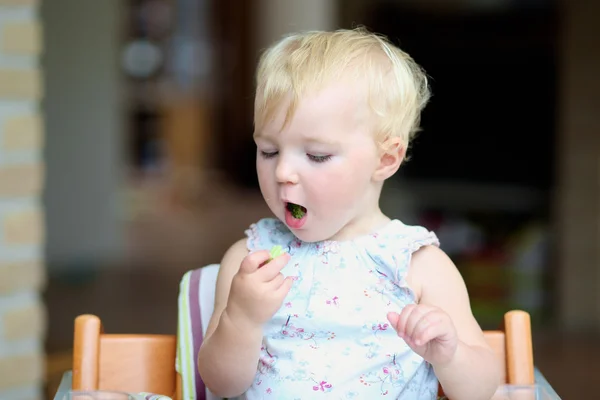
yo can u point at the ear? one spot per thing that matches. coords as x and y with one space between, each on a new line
392 154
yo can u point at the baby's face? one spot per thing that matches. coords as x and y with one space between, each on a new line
316 173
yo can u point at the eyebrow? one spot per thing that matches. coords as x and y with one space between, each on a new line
314 140
308 139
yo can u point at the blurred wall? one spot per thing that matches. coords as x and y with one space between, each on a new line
85 130
578 150
22 317
279 17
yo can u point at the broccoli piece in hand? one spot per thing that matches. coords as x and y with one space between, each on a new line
276 251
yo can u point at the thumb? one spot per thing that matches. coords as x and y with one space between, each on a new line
394 318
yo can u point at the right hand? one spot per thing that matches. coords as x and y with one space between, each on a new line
258 289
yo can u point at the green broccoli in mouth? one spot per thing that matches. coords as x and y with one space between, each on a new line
297 210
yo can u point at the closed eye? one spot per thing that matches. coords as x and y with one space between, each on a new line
268 154
318 159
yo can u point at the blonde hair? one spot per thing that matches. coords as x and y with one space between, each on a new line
397 86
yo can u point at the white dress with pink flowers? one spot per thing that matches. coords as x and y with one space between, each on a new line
331 338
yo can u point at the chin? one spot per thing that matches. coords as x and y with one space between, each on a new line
309 235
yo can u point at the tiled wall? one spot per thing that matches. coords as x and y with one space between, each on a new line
22 315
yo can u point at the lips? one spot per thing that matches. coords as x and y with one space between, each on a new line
295 215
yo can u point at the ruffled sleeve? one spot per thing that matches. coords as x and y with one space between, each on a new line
267 233
391 250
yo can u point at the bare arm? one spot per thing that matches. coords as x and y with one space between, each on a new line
229 353
474 371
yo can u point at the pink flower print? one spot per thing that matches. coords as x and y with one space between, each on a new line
288 304
323 386
364 380
379 328
325 248
318 336
333 300
331 247
290 330
393 373
269 391
266 363
387 377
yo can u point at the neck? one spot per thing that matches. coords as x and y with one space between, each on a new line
363 224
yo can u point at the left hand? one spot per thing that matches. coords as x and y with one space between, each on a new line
428 331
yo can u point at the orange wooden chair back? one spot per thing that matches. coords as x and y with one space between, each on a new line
129 363
513 346
146 363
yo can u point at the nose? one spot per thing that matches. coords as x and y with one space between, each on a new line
284 172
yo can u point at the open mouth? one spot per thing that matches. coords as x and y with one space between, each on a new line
296 210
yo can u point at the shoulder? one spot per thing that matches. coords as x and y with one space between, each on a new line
413 236
231 261
236 252
434 275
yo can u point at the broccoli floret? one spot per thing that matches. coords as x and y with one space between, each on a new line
297 211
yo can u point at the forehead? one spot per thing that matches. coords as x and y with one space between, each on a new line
339 108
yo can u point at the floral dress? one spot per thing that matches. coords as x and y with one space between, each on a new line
331 337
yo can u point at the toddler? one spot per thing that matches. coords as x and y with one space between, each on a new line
359 306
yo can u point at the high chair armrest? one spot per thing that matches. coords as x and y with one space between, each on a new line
65 386
67 381
541 381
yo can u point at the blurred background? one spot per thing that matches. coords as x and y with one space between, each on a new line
126 159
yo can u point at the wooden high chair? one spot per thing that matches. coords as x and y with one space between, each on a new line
147 363
513 346
123 362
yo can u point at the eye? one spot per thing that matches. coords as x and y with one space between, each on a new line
268 154
318 159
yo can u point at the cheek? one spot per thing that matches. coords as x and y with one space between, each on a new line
341 184
263 168
264 173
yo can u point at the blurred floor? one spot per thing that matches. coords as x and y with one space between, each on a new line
141 294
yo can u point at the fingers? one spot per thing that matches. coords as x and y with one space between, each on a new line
272 269
253 261
393 317
420 316
403 318
418 324
285 287
427 329
277 281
